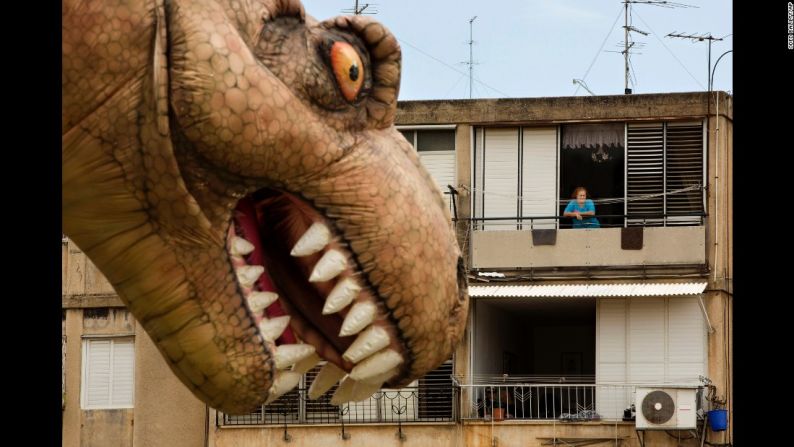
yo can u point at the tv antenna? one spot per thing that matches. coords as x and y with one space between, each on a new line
584 85
628 44
471 62
700 38
366 8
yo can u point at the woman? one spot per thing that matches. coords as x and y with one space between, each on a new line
581 209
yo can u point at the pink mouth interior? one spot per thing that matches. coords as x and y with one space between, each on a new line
273 222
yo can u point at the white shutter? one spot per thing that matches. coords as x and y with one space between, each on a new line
611 355
645 171
646 347
538 188
96 376
500 185
441 166
686 340
108 370
122 390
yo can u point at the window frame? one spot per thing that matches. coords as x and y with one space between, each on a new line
85 348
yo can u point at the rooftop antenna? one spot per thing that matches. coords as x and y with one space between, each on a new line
471 62
582 83
700 38
628 44
366 8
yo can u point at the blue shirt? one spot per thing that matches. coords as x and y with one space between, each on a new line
586 222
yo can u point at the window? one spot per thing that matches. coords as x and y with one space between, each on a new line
648 340
653 172
108 373
436 150
592 155
515 172
665 165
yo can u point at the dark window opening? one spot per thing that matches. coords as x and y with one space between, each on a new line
593 156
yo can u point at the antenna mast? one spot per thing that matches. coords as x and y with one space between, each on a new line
471 54
627 29
696 38
359 10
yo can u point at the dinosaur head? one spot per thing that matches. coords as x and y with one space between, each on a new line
250 200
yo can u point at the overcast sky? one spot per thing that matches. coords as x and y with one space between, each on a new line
535 48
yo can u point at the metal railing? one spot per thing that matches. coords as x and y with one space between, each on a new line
561 222
434 403
574 402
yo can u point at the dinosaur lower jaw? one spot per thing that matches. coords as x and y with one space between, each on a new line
304 291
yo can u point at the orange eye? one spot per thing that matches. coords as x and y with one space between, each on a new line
348 69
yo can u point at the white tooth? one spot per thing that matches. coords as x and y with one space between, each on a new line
241 247
331 264
342 294
303 366
248 274
325 379
376 364
313 240
367 343
283 382
271 328
286 355
363 390
259 301
381 378
360 315
345 392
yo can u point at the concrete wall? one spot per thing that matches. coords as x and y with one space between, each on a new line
476 434
586 247
165 413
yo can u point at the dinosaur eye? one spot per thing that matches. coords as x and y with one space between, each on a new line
348 69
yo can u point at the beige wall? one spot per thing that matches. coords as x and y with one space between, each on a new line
591 248
166 413
477 434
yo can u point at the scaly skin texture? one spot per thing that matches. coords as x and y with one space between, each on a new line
173 111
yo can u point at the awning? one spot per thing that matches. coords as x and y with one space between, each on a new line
590 290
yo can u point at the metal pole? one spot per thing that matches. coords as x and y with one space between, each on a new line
471 53
708 69
713 70
626 48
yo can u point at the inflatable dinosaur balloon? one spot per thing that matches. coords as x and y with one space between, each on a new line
232 168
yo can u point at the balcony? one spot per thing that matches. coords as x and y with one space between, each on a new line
499 248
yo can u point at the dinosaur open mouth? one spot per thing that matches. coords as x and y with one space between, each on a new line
309 298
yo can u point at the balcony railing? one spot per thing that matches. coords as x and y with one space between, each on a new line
567 402
425 403
562 222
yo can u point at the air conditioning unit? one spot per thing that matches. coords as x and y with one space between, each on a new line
666 408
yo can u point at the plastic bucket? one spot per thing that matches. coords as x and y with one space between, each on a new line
498 414
718 420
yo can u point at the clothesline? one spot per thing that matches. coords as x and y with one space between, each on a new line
605 201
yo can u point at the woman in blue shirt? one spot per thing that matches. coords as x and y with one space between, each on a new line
581 209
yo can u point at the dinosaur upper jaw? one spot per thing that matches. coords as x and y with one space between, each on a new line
307 294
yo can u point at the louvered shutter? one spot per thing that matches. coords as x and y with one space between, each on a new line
108 373
646 344
122 384
435 393
539 173
686 340
645 172
611 355
684 165
96 375
499 185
